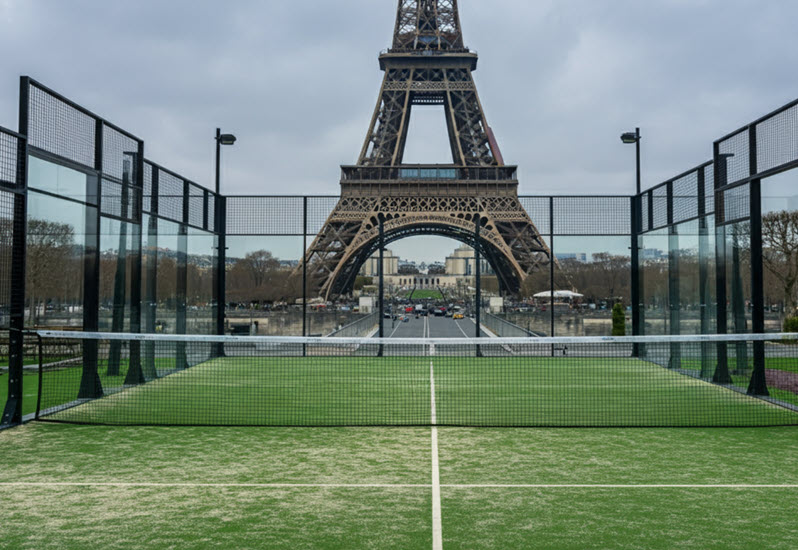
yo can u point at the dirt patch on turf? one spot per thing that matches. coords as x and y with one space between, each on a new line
787 381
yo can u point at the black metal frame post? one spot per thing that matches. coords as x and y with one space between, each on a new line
12 412
381 288
304 272
758 384
674 294
636 290
181 287
551 271
120 281
90 385
151 276
478 273
703 272
220 270
135 374
721 375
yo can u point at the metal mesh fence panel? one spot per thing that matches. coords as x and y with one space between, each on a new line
170 196
538 210
736 204
734 152
709 189
119 150
265 215
685 198
659 199
592 216
9 145
319 209
196 206
777 140
169 380
59 128
6 239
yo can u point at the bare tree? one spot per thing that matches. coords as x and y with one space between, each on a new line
780 252
49 247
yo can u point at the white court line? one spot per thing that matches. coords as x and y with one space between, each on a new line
393 485
437 520
218 485
623 486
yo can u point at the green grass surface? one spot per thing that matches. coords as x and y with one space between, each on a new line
425 294
396 390
165 495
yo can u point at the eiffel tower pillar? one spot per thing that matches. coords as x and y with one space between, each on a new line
428 64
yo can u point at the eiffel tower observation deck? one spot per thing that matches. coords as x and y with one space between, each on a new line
428 64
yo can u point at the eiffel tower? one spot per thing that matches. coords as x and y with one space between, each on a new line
428 64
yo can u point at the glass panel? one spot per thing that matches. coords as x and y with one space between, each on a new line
60 180
166 281
54 263
654 281
738 277
118 248
199 293
263 288
780 248
591 276
533 312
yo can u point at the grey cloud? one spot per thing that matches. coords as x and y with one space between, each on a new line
559 79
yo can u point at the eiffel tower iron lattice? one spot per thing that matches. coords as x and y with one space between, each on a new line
427 65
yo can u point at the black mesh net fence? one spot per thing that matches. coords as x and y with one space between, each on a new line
237 381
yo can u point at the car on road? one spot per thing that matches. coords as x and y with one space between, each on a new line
457 316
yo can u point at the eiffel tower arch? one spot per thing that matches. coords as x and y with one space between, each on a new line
427 64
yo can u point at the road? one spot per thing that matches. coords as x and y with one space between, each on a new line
431 327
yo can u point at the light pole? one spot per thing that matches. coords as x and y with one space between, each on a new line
221 139
633 138
638 320
220 226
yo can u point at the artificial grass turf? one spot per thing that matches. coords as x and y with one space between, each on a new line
633 519
493 391
203 517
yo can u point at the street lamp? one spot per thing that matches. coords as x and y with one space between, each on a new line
221 139
633 138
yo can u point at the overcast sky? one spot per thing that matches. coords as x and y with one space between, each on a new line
297 81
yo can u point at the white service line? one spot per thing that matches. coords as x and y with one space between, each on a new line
437 521
216 485
622 486
390 485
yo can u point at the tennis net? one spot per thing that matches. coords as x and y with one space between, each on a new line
135 379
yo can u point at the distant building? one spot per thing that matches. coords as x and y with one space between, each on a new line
578 256
371 268
460 263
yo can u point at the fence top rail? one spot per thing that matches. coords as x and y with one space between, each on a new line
758 121
210 339
49 91
12 133
693 170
